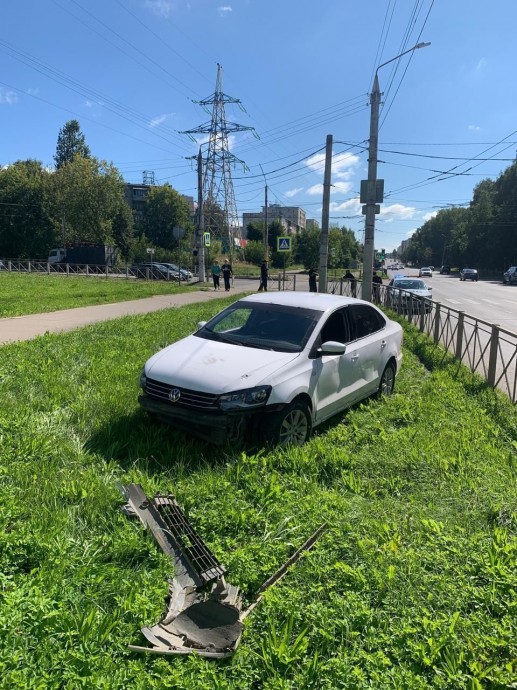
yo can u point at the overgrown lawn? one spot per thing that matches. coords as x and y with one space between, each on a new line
22 293
413 586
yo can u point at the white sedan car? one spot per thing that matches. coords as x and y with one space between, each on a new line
272 367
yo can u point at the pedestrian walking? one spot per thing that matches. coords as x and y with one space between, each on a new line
216 272
312 280
350 277
264 274
227 274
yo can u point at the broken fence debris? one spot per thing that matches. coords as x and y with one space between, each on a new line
204 613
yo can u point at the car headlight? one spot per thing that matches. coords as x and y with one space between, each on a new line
245 399
143 379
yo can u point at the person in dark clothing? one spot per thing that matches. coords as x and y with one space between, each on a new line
216 272
312 280
353 282
376 282
227 272
264 274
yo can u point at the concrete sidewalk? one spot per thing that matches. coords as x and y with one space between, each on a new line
32 325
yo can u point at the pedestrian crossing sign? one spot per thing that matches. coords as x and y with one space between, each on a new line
283 244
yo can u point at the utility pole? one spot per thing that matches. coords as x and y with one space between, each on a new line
371 192
324 236
200 244
266 229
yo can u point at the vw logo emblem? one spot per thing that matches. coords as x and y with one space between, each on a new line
175 395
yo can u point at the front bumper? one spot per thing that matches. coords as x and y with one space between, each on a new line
215 427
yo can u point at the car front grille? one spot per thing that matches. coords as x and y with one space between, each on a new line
187 398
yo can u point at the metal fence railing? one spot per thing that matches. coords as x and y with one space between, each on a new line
483 347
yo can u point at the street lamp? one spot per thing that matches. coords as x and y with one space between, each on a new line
374 191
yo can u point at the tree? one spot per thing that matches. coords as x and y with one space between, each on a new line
26 228
255 232
308 248
70 143
165 210
88 196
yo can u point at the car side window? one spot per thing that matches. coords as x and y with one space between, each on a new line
365 320
336 328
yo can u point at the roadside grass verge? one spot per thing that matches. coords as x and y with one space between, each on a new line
34 294
413 586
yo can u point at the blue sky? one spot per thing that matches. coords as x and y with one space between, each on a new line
129 70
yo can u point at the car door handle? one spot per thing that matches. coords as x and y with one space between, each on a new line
353 358
383 344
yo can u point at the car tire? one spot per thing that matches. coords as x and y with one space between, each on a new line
387 382
290 426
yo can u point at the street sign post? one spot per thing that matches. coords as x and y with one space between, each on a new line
283 244
206 239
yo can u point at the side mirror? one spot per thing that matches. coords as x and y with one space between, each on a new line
332 347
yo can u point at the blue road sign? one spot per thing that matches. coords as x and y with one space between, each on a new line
283 244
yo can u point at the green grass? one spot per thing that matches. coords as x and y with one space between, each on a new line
34 294
413 586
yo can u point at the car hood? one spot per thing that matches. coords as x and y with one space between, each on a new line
215 367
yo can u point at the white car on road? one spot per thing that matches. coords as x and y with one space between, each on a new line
273 366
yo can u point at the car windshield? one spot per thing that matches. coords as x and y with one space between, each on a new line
409 284
263 326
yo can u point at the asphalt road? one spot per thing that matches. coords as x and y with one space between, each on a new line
488 300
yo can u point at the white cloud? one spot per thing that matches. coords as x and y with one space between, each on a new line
159 120
397 212
352 207
33 92
410 233
224 10
89 104
8 97
474 128
481 64
163 8
342 164
428 216
315 189
293 192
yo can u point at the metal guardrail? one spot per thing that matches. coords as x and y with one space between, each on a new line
146 273
483 347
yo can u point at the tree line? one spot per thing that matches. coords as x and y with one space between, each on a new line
482 235
82 201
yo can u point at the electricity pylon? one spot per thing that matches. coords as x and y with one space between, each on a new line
219 206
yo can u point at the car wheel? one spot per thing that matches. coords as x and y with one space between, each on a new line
290 426
387 382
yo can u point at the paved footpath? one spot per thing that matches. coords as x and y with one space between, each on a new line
32 325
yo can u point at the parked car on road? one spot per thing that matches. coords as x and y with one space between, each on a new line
272 367
445 270
425 272
154 271
183 272
469 274
510 276
404 290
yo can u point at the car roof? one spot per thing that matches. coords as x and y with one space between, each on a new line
308 300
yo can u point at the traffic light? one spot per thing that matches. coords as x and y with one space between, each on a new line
383 254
